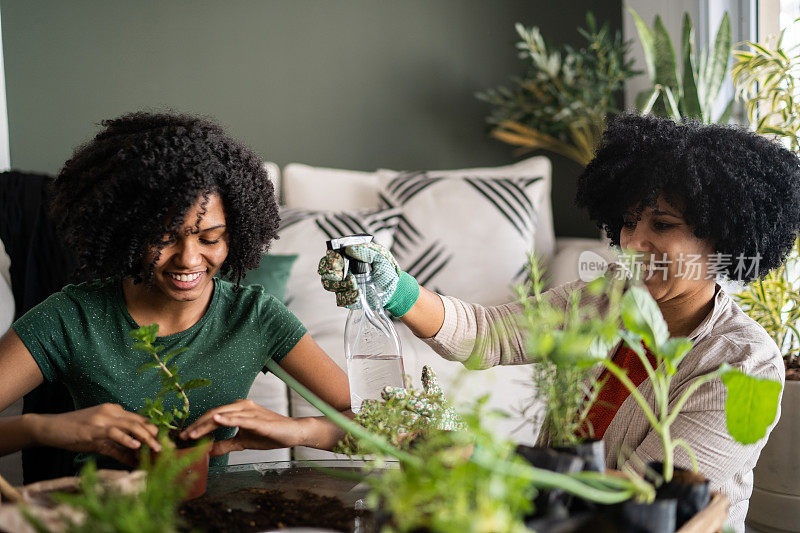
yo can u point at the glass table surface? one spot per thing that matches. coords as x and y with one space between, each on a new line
225 483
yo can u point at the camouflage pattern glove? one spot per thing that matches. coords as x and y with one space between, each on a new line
429 403
397 290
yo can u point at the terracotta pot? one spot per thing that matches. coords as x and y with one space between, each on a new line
196 474
775 503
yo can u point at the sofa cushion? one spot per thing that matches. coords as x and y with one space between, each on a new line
467 236
322 189
272 273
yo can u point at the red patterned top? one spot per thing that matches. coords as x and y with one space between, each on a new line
614 392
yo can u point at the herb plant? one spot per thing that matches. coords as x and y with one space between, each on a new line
154 409
751 404
399 421
565 345
108 510
689 89
561 102
440 488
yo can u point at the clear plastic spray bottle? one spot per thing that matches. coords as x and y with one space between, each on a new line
371 346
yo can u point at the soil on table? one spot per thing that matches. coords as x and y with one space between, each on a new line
273 510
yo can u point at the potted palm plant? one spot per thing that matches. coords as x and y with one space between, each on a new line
560 104
766 77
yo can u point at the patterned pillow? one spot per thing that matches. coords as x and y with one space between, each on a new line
467 237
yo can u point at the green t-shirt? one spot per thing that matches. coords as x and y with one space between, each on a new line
80 336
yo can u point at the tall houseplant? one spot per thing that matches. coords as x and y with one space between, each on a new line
691 87
561 102
767 79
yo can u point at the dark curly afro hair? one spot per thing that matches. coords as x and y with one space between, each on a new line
134 182
737 189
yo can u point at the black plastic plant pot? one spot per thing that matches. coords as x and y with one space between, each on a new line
691 490
593 453
585 522
656 517
552 504
551 459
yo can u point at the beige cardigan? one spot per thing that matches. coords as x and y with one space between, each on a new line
727 335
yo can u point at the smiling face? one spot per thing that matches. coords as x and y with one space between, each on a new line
674 261
189 258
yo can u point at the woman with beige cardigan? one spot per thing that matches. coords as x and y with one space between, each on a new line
694 203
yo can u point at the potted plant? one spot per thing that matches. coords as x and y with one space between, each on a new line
170 422
561 102
766 76
751 404
688 89
440 488
146 505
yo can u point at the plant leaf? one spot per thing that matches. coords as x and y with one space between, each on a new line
674 350
196 383
146 366
717 62
142 346
641 316
690 102
648 44
666 64
751 406
647 105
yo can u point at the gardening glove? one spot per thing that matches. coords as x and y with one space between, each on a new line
429 403
397 290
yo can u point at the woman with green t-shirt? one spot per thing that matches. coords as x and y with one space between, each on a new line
153 208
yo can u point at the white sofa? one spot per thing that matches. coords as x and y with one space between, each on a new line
320 189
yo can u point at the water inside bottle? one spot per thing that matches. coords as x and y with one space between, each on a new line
369 374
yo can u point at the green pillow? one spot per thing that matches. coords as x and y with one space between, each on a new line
272 274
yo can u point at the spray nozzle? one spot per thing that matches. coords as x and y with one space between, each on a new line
354 266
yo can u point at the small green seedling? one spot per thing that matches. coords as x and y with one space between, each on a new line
154 409
751 405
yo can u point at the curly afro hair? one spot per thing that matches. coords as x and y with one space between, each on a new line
133 183
736 188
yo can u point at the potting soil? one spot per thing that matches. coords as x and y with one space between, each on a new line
271 510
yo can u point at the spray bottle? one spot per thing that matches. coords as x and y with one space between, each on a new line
371 345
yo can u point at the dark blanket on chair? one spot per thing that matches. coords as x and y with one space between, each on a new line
40 266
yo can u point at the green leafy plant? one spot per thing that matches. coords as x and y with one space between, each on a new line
154 409
441 487
774 302
689 89
751 404
766 78
566 344
105 509
394 421
560 104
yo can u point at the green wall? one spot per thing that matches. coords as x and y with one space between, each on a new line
350 83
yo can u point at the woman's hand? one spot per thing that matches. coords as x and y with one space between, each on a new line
259 428
399 291
107 429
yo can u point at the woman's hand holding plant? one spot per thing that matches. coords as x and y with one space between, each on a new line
259 428
106 429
